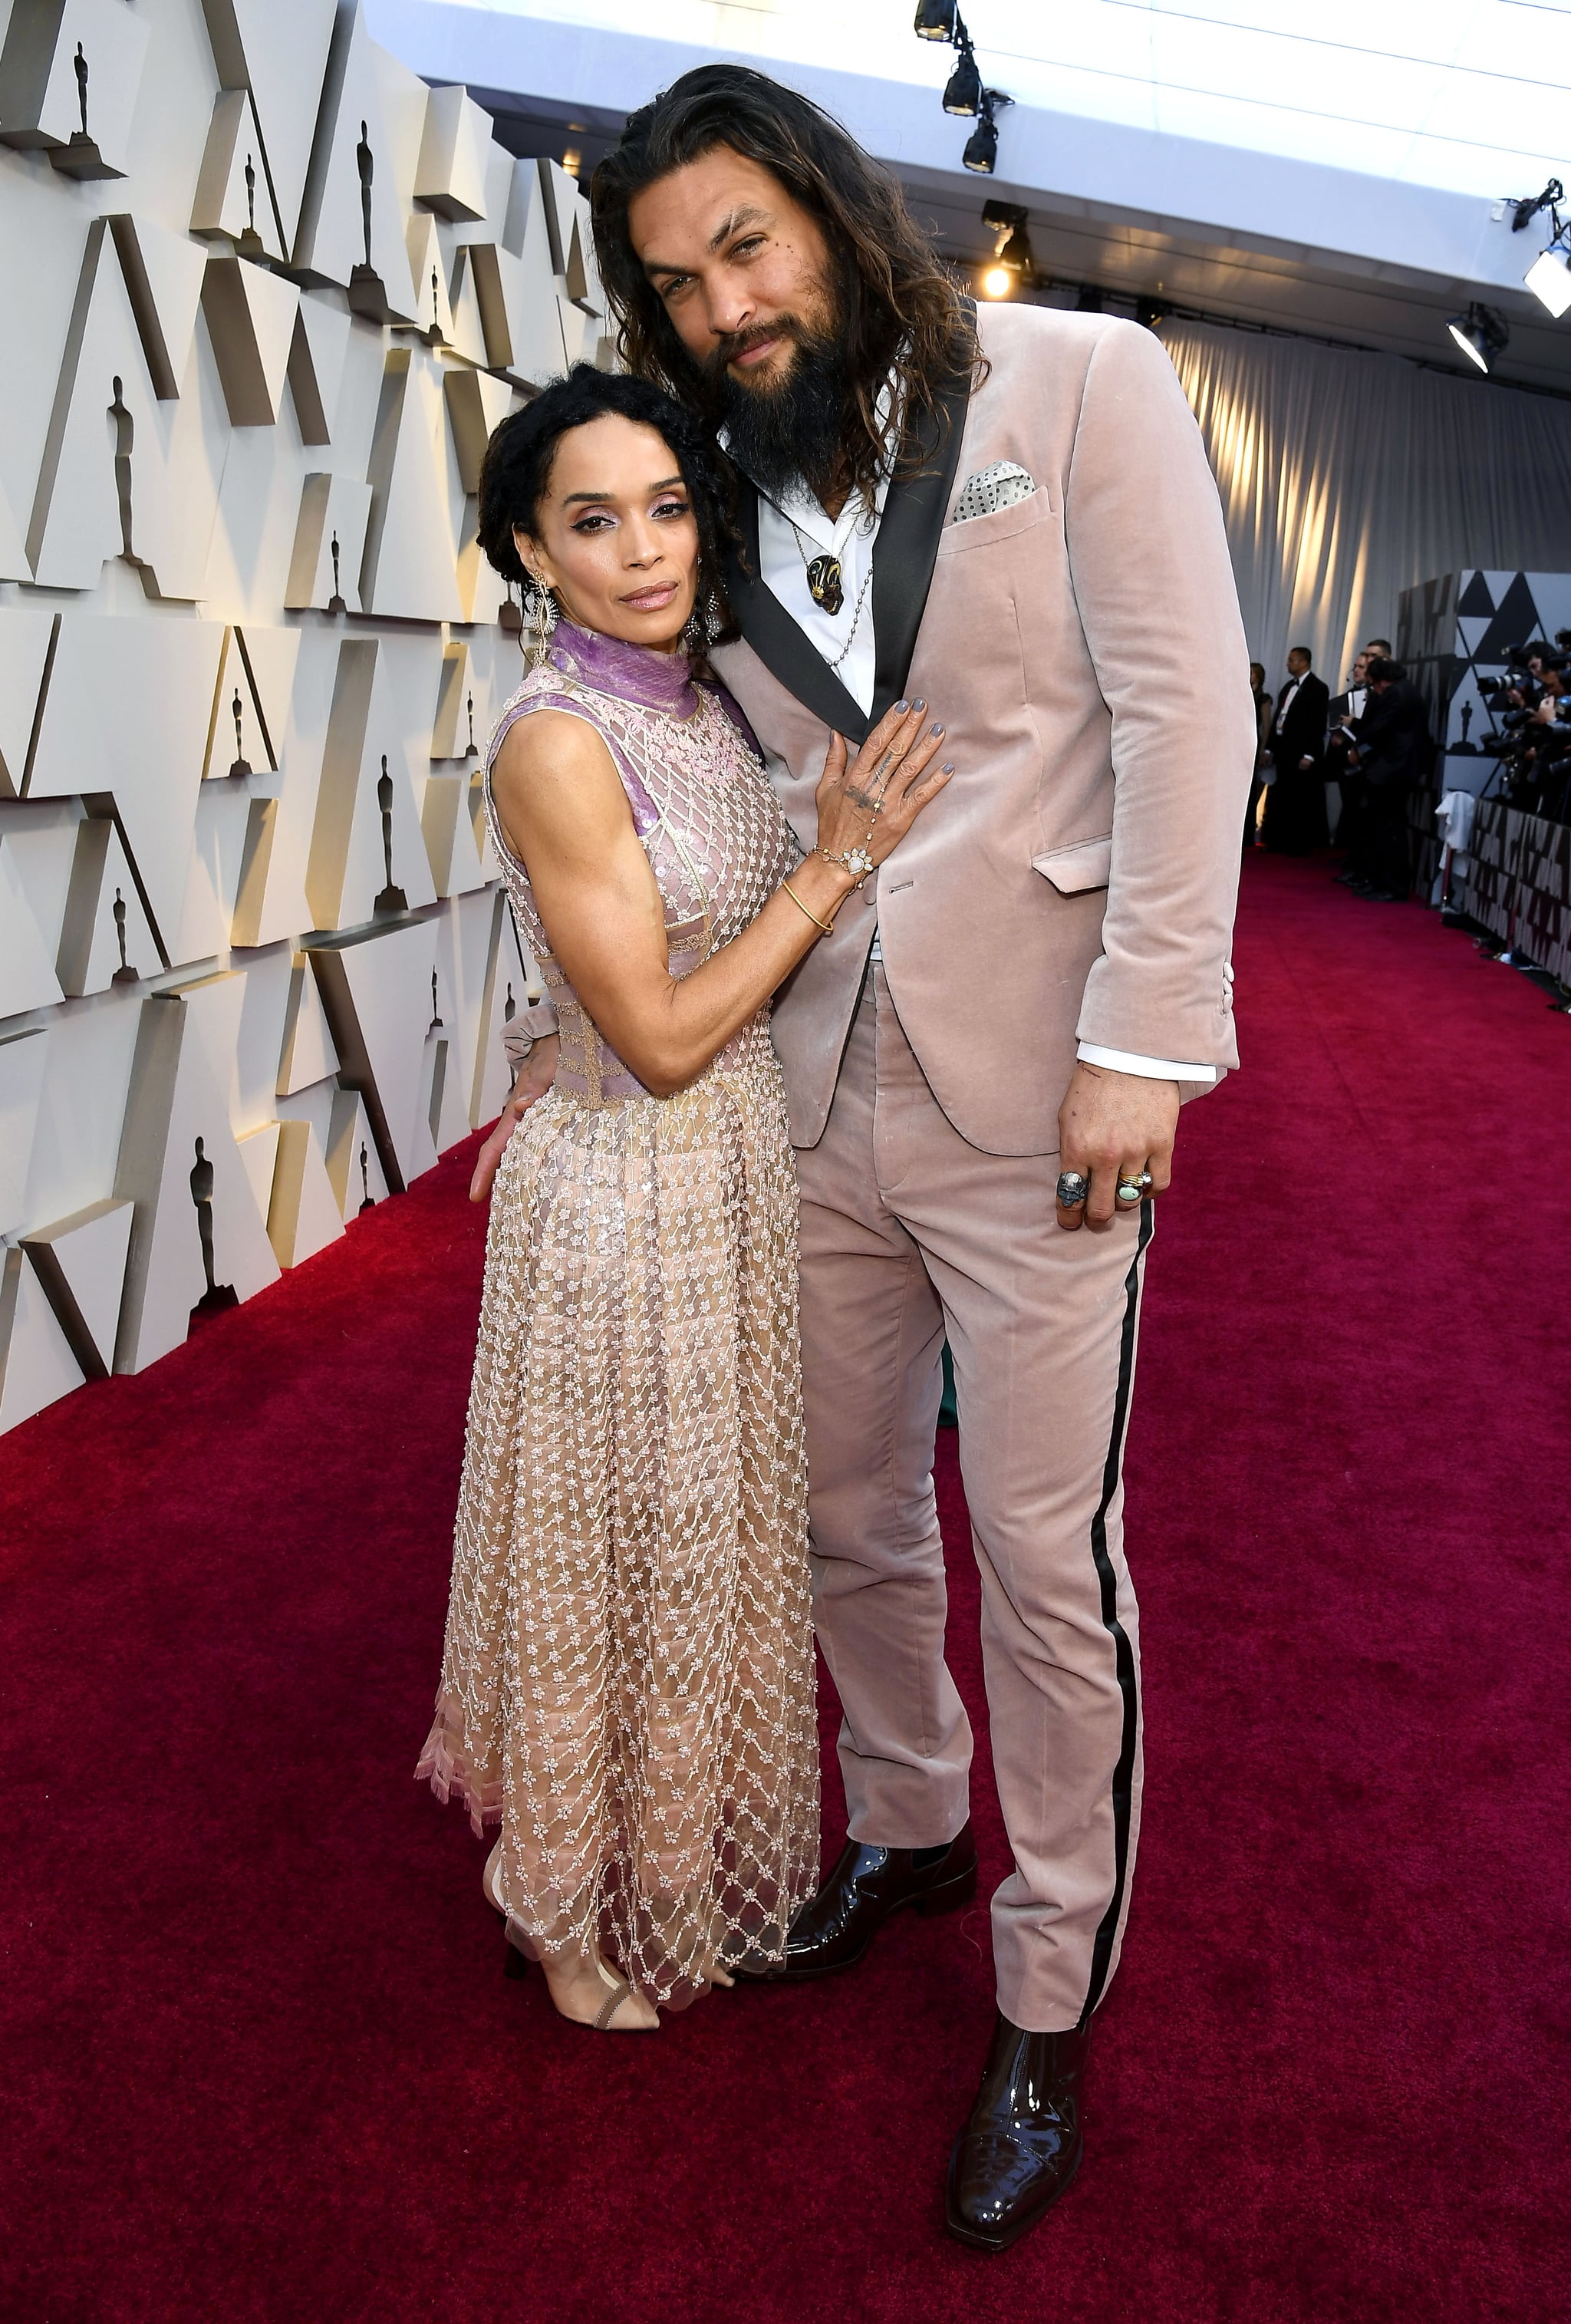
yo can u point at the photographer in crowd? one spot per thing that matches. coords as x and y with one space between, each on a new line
1530 712
1392 748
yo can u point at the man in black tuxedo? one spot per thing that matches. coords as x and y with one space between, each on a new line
1393 753
1342 765
1295 813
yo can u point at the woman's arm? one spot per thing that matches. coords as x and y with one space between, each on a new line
566 815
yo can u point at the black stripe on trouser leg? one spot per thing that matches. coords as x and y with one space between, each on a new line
1123 1772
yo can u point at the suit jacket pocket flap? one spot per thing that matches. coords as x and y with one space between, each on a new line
1089 864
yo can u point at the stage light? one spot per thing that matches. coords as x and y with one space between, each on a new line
1012 246
982 145
997 283
963 90
1481 334
935 20
1548 278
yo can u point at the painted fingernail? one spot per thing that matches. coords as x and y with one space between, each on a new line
903 706
936 733
948 769
919 705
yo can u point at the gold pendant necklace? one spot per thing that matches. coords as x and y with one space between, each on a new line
823 580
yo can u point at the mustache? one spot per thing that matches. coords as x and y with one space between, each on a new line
729 350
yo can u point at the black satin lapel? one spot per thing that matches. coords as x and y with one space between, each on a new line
907 547
784 650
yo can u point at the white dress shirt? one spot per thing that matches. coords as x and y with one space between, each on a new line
792 533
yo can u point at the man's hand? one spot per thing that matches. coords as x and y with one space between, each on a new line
535 1075
1111 1125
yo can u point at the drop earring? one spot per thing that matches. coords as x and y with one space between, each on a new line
703 625
542 622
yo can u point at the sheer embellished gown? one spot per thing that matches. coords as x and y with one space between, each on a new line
628 1676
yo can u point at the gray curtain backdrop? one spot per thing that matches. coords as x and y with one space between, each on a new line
1348 477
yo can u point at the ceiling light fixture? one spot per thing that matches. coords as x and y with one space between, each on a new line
1483 335
963 92
1548 278
981 150
997 283
1011 248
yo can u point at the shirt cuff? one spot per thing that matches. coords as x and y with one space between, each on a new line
1156 1069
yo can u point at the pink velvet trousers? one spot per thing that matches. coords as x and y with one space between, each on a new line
909 1233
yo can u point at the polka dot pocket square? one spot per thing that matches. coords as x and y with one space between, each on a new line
991 489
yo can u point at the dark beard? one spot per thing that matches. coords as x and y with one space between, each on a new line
790 435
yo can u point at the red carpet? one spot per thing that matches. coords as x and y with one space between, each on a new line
260 2057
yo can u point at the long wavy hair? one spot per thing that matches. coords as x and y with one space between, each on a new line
900 311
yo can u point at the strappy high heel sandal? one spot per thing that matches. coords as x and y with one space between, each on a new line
516 1961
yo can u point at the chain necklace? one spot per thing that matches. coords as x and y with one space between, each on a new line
826 586
856 617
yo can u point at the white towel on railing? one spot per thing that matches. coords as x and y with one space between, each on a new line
1454 817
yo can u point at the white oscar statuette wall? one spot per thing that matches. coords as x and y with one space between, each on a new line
265 296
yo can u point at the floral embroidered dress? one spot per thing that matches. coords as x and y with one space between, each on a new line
627 1677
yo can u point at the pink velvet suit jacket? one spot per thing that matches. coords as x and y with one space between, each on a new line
1078 877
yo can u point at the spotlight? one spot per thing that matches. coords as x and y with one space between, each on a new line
1548 278
1012 249
982 145
935 20
997 283
1149 311
963 90
1481 334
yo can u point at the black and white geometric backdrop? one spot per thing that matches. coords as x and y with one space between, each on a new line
1460 627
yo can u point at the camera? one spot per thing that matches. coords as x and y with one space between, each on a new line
1533 755
1534 770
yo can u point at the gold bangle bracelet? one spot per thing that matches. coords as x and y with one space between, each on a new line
824 927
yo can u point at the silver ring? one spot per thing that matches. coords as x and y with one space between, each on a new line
1073 1187
1129 1190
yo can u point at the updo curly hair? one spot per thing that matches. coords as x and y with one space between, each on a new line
515 474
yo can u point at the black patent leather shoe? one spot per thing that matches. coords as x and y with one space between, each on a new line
834 1929
1022 2142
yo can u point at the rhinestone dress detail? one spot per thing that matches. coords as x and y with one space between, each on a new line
628 1676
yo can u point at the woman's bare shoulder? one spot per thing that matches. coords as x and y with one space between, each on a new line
554 769
546 739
